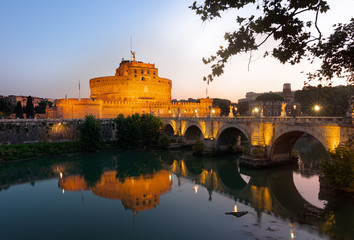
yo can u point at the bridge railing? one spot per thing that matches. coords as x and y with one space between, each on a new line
289 120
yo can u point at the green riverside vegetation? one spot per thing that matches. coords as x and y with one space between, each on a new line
91 133
339 170
138 130
40 149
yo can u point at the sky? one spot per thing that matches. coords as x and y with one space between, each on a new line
48 47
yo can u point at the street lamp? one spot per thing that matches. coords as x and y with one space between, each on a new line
317 108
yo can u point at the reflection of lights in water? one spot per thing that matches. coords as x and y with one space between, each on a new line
170 177
61 175
292 234
235 208
63 191
196 189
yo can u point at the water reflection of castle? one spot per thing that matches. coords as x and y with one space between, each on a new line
136 193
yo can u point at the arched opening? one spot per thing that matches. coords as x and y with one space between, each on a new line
231 138
193 134
283 146
168 130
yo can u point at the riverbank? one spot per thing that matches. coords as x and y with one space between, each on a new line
19 152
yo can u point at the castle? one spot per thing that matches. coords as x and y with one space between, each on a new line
135 88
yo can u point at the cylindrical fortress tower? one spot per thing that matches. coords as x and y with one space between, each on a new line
133 81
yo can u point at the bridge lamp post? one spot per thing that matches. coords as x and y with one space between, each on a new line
317 108
255 110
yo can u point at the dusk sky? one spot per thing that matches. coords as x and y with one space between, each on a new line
47 47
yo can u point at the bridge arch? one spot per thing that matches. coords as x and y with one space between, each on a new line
226 135
229 137
168 130
192 134
283 142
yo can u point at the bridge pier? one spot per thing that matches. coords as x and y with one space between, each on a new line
258 157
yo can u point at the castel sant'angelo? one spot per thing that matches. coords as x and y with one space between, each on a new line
135 88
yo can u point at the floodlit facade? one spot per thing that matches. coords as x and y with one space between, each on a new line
135 88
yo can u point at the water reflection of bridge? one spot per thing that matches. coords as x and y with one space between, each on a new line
272 191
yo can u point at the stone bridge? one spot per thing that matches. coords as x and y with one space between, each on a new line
268 138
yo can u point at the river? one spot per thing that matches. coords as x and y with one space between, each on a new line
169 195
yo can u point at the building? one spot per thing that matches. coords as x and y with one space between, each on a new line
273 108
135 88
23 99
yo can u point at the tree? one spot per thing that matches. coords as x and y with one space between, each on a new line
19 110
339 169
280 20
333 100
151 127
91 133
6 108
29 108
242 108
223 104
43 105
137 131
337 54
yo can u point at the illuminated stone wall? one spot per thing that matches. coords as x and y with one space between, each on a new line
45 130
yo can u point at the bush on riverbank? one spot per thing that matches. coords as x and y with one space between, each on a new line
339 170
138 130
91 133
164 141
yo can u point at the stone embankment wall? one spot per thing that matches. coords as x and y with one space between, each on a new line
46 130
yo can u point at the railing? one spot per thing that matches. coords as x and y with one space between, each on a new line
245 119
286 120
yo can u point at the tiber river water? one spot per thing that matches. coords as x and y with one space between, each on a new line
169 195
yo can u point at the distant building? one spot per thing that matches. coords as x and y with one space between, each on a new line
274 108
23 99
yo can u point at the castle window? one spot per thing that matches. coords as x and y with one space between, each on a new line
153 72
142 79
135 71
148 72
135 74
142 71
